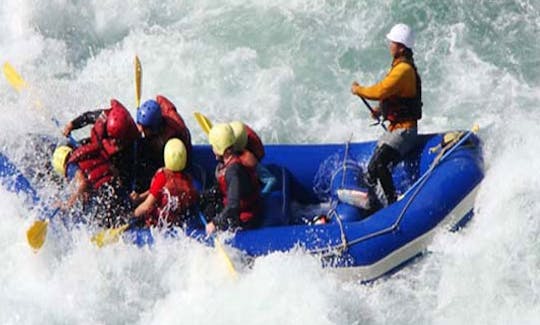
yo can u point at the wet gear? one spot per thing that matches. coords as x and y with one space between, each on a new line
240 192
150 149
379 169
94 164
254 143
400 93
401 109
402 34
240 134
149 115
120 124
175 195
59 159
175 155
221 137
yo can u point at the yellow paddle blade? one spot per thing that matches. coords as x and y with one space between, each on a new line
204 122
36 234
108 236
226 257
138 78
13 77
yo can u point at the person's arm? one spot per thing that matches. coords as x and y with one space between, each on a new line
137 198
82 120
145 207
389 86
82 187
152 195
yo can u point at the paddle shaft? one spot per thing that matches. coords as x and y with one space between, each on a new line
373 113
220 248
138 80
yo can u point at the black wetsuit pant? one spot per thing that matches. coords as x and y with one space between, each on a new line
379 168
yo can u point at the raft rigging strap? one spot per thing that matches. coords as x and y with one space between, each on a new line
417 186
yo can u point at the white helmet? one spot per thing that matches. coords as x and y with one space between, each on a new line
403 34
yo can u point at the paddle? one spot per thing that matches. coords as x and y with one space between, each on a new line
373 113
18 83
220 249
112 235
138 77
203 121
37 233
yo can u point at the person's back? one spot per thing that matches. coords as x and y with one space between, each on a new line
175 127
172 196
158 121
113 133
238 184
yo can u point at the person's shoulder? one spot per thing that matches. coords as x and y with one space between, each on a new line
159 176
403 66
403 69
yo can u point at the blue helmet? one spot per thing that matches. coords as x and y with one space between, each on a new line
149 115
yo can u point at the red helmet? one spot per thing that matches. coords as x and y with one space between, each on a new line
120 124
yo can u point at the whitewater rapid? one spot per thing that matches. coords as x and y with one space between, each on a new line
284 67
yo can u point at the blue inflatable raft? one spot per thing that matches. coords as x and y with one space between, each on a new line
438 183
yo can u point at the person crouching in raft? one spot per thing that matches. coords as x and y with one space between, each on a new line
249 152
113 135
238 184
96 186
172 197
158 121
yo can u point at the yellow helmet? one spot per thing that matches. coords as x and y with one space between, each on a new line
59 159
240 135
175 155
221 137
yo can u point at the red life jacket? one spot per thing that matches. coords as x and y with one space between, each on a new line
175 127
94 164
177 196
98 131
98 134
254 143
249 206
397 109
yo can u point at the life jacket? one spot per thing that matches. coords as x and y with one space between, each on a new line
399 109
254 143
94 164
99 130
177 196
175 127
98 134
249 206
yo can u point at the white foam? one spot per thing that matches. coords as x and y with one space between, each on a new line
285 68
